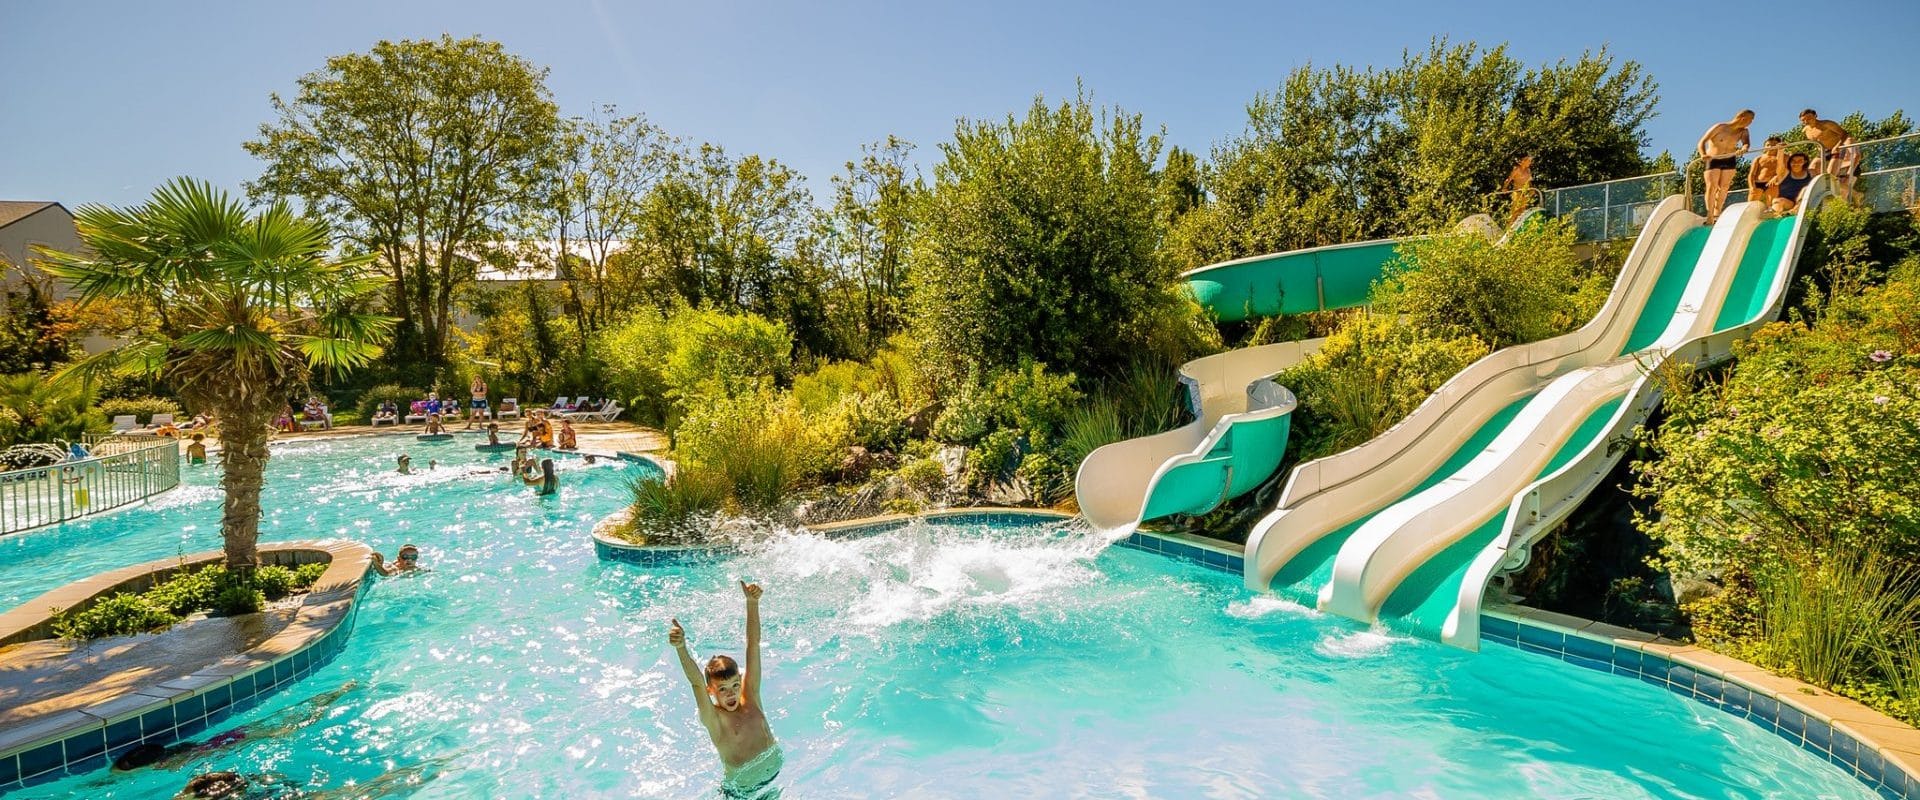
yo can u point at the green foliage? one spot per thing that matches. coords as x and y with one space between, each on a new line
119 615
968 415
1370 374
763 444
36 410
31 336
664 365
1811 445
993 459
1338 154
1529 287
1032 400
187 592
471 126
307 575
237 598
402 397
143 408
866 237
924 475
664 510
1039 242
1049 480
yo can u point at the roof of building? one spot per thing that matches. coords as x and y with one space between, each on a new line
12 211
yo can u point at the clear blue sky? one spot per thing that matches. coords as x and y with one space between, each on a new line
103 100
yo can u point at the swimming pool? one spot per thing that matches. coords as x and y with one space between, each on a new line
935 660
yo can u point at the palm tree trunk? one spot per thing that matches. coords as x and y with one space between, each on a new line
243 460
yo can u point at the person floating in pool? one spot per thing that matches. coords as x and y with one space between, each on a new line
435 426
405 464
493 434
197 452
232 785
407 560
729 705
280 723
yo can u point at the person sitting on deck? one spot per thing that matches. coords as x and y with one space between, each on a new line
387 412
568 439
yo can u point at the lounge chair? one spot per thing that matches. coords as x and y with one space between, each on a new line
124 423
325 420
417 412
609 413
509 407
377 421
159 421
559 404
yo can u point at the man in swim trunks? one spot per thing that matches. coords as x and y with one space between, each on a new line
729 704
1763 175
1722 146
1843 158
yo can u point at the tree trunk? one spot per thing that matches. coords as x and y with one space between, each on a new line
243 463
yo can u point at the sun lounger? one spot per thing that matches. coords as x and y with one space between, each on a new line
124 423
417 412
509 408
608 414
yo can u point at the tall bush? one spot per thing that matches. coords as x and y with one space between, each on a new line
1530 286
35 410
1370 374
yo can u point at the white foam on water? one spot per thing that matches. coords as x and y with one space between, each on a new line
1357 644
1266 606
919 572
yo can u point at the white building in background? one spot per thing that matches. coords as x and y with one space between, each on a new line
25 224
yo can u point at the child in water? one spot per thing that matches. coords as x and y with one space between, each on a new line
197 452
730 710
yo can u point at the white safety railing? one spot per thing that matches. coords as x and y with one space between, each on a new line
122 469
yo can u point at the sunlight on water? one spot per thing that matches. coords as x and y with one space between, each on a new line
935 660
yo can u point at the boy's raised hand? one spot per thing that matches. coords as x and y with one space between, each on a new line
751 590
675 635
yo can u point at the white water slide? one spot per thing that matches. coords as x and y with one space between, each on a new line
1409 529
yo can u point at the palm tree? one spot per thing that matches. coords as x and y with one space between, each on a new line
242 307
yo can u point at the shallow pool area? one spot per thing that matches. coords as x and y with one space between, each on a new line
940 659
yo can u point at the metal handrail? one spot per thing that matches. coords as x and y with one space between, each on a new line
40 496
1686 170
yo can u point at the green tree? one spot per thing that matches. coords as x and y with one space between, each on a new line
418 151
1039 243
1527 287
1340 154
867 234
246 305
595 204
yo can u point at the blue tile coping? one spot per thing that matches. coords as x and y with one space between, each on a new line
1881 752
79 740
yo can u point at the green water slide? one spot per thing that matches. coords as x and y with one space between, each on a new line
1422 565
1295 282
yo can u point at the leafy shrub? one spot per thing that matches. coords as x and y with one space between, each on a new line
1049 480
274 581
402 397
993 458
1035 401
238 598
307 575
1523 289
873 421
924 475
142 408
1824 620
119 615
1369 375
968 415
665 365
762 445
38 410
187 592
663 510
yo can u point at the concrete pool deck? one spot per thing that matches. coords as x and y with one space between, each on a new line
68 707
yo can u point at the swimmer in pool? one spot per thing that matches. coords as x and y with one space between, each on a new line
286 721
729 704
405 464
407 560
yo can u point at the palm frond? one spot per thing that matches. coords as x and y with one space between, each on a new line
142 356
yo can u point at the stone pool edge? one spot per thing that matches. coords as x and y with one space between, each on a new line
78 741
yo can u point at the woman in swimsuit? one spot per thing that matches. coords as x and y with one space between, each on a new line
1796 180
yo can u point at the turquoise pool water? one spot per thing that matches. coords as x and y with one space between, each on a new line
954 660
